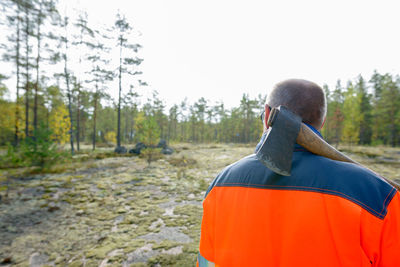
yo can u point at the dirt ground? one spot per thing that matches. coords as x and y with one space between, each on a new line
119 212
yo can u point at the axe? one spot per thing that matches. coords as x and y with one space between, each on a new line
285 129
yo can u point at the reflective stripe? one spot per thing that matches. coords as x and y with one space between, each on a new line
203 262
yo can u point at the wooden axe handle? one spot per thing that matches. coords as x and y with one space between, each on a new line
315 144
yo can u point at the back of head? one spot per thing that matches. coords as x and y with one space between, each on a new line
302 97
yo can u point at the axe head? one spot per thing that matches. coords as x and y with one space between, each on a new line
277 149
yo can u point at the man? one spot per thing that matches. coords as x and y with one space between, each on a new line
327 213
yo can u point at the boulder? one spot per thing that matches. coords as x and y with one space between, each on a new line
162 144
120 150
139 146
167 151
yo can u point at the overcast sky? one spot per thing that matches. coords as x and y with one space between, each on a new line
220 49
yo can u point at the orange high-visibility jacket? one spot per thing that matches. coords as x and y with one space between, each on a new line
327 213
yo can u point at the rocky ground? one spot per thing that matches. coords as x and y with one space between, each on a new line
119 212
112 211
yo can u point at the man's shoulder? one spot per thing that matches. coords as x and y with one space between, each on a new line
313 173
347 180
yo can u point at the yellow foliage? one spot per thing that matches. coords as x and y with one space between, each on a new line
139 119
60 124
111 137
7 116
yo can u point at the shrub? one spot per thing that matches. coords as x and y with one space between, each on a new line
151 154
37 150
40 150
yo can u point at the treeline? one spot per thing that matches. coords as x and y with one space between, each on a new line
361 112
364 111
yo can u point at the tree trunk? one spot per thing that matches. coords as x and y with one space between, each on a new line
27 73
17 61
94 118
66 74
119 96
126 123
35 107
78 119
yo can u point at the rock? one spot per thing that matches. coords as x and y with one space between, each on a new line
167 151
167 233
173 251
37 260
80 212
162 144
120 150
140 255
139 146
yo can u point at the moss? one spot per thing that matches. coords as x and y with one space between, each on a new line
53 256
77 263
165 244
100 252
92 263
173 260
46 196
133 244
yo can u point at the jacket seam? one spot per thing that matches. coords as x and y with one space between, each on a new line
374 212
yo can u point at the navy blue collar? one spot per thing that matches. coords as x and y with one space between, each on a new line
296 146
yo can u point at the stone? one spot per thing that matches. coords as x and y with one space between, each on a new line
162 144
138 148
120 150
167 151
37 259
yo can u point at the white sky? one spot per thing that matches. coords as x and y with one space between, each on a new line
220 49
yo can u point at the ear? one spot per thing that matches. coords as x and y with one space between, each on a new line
267 110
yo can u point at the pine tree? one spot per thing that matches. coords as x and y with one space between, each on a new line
126 63
364 100
65 41
352 116
336 119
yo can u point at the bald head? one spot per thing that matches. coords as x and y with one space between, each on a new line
302 97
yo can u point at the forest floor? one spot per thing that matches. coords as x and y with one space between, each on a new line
117 211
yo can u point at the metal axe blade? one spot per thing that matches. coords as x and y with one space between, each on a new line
277 149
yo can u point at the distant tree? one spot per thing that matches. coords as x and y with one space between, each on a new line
336 119
13 54
100 75
131 105
126 63
352 116
386 108
149 133
83 40
172 123
183 119
60 124
364 100
43 9
248 126
199 112
27 34
6 116
65 41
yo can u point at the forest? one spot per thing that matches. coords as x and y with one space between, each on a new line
78 107
71 196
